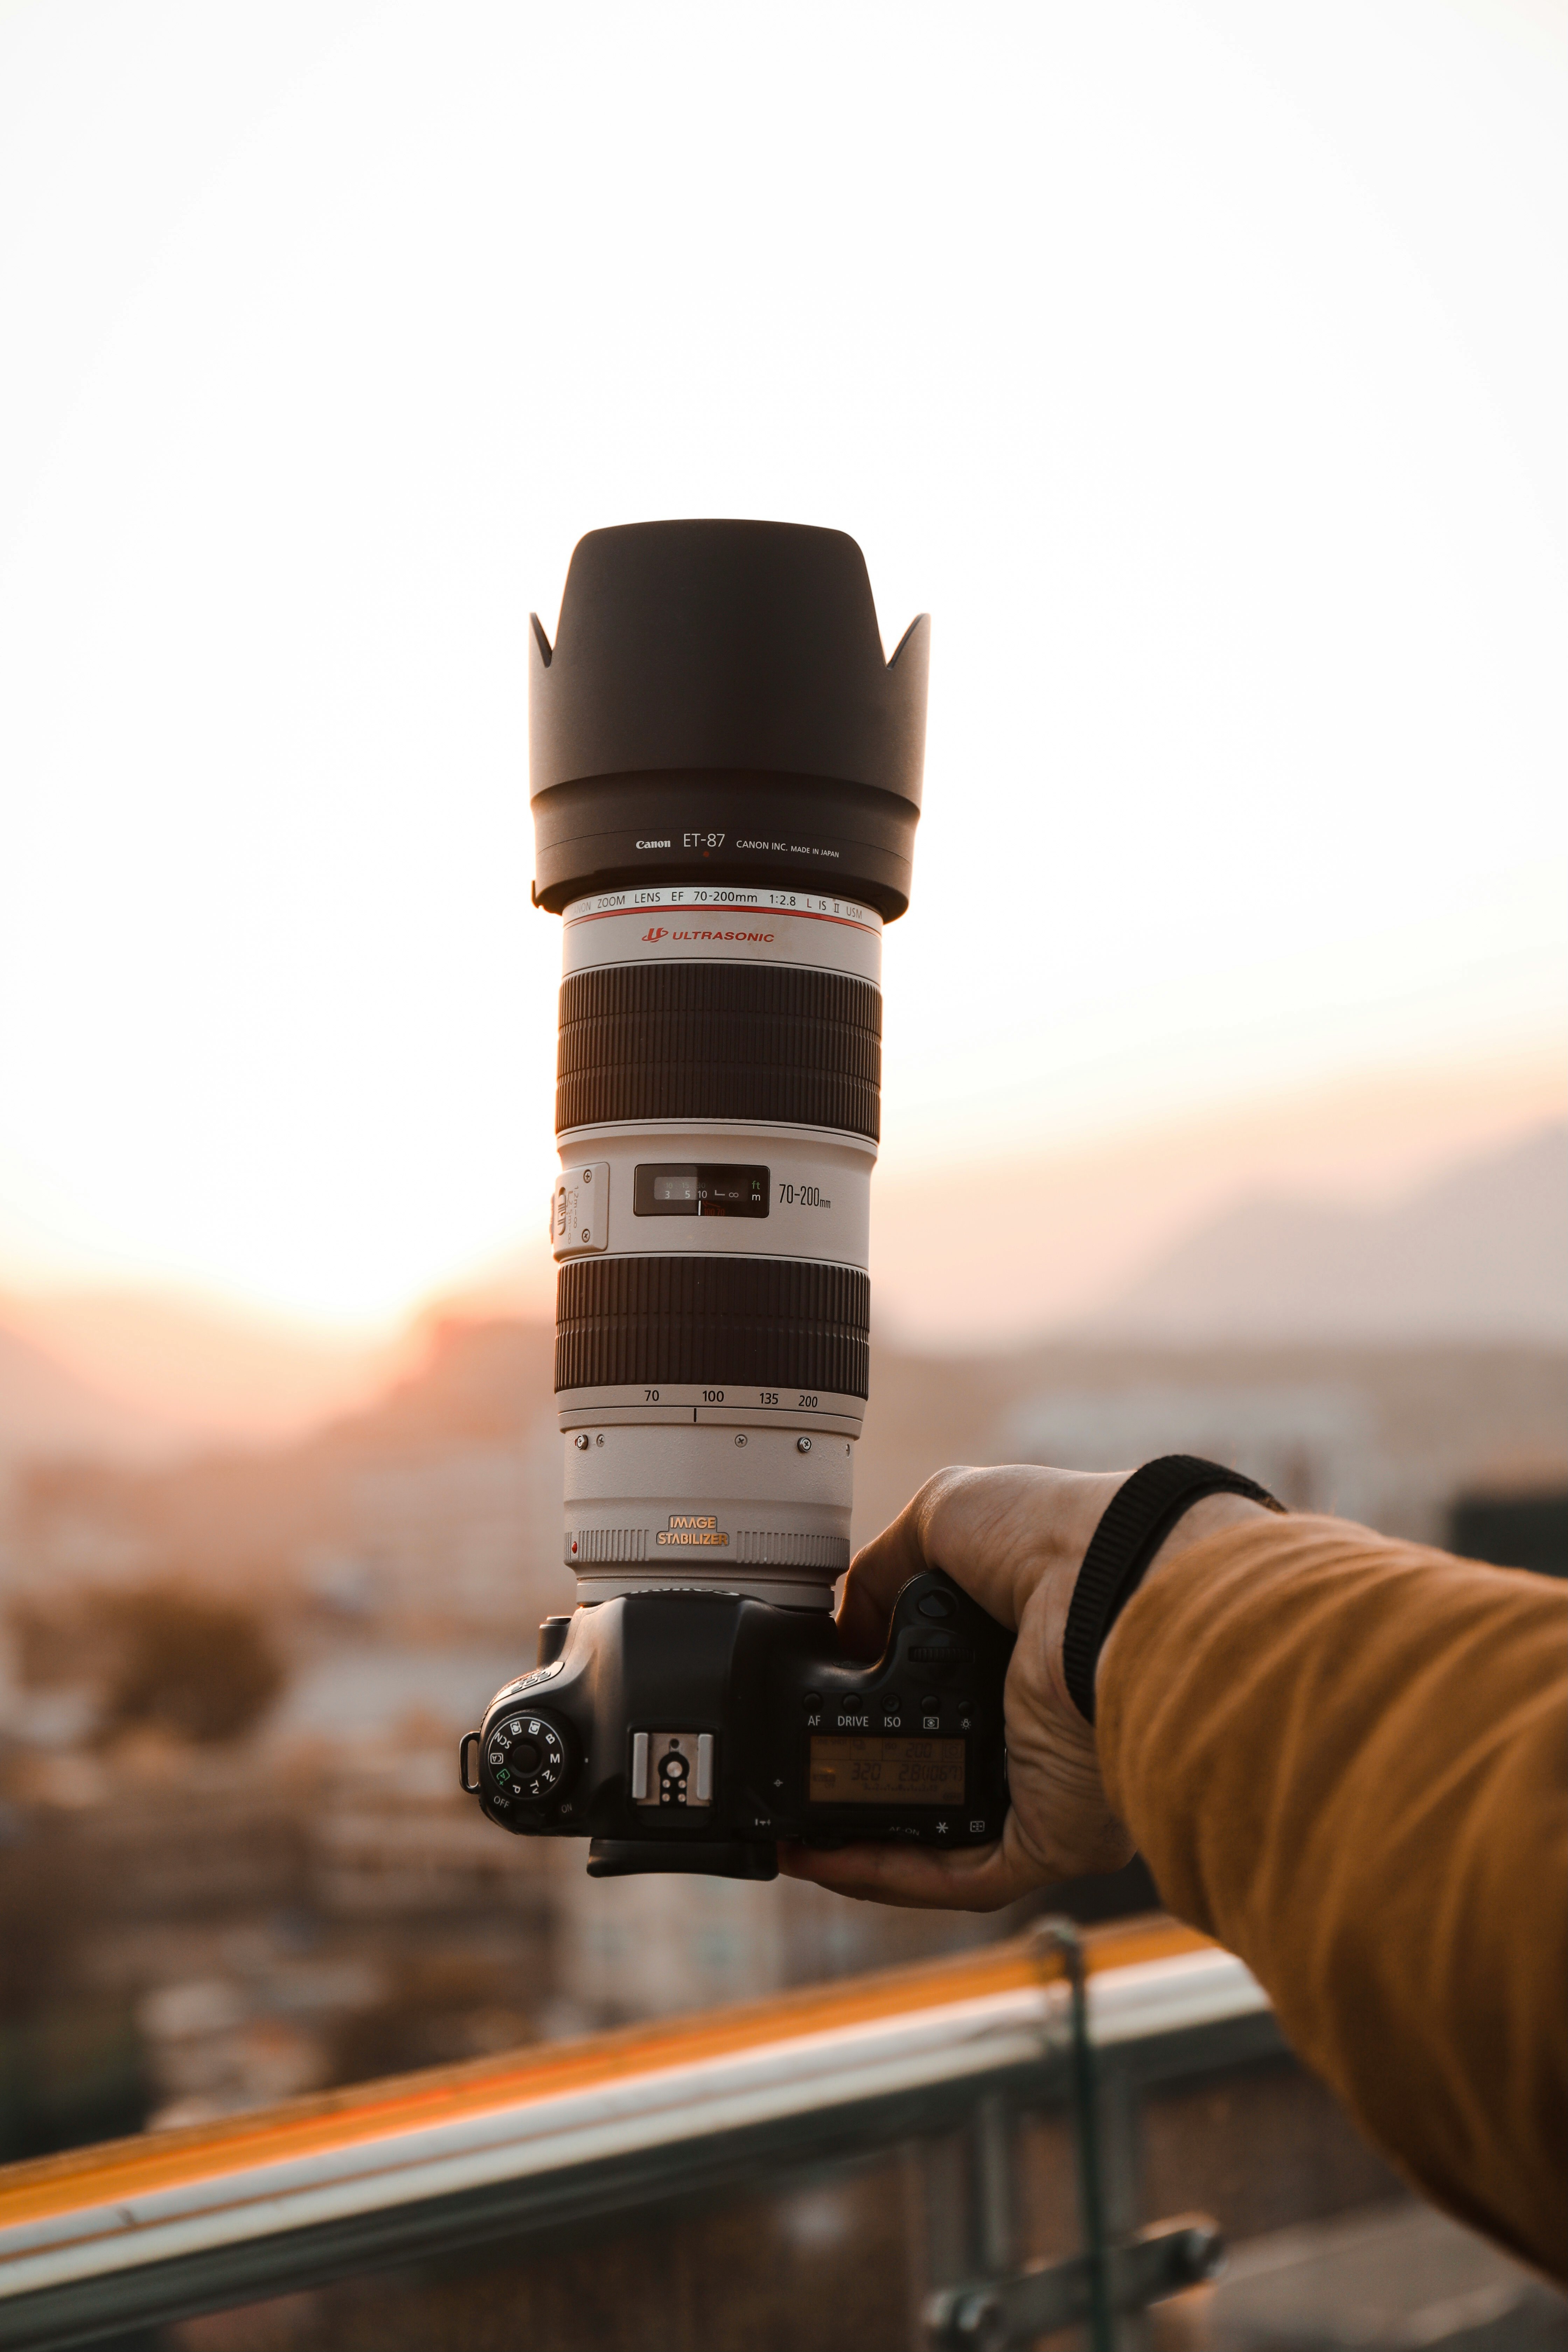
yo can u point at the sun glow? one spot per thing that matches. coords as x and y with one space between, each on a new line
1144 351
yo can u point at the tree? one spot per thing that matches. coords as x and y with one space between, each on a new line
204 1670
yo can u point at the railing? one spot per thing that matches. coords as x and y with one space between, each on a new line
142 2231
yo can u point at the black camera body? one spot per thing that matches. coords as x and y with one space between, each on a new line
692 1731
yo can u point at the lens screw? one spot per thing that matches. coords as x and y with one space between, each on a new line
741 1438
600 1439
581 1441
802 1446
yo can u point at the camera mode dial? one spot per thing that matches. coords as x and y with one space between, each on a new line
529 1756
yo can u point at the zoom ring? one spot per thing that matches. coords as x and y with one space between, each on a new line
742 1322
763 1042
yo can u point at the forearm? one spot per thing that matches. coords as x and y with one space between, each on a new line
1342 1758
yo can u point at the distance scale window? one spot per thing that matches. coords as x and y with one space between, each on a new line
685 1189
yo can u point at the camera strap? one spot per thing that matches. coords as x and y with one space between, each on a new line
1133 1526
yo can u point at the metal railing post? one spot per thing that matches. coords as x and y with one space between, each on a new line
1062 1936
991 2143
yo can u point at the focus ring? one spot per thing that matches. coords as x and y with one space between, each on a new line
768 1043
747 1322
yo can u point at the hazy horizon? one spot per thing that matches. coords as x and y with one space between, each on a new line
1204 387
179 1369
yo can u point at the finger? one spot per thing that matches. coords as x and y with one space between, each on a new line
877 1573
950 1524
995 1532
976 1878
965 1521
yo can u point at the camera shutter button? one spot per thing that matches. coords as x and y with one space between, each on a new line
939 1605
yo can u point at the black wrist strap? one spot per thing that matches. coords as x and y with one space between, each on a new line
1133 1526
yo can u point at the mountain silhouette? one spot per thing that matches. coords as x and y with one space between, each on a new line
46 1408
1480 1253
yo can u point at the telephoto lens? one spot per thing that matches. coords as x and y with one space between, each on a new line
725 779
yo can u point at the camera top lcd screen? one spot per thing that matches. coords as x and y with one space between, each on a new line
856 1770
691 1190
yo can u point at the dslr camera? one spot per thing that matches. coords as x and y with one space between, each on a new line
725 783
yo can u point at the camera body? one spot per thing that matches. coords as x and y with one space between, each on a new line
725 777
692 1731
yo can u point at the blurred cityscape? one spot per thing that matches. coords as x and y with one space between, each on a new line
232 1684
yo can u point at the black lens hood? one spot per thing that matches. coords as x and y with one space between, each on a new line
717 709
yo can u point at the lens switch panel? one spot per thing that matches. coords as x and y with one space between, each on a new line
580 1210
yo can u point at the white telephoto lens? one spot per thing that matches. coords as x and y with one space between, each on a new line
717 1119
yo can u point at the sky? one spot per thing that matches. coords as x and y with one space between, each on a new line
1198 365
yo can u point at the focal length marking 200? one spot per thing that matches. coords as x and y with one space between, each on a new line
726 780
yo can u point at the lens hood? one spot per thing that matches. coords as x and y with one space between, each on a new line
716 709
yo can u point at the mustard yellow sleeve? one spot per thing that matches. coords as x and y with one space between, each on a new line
1346 1758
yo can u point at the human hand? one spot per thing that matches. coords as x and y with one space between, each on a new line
1015 1540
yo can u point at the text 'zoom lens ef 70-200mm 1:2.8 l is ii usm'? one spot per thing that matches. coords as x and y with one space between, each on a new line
726 777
